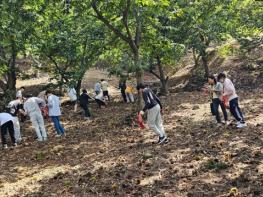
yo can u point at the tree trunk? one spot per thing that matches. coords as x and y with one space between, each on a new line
163 79
139 79
205 62
78 86
196 59
11 75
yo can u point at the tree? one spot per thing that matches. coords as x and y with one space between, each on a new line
129 21
70 42
15 29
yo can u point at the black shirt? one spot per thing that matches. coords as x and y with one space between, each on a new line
150 99
84 99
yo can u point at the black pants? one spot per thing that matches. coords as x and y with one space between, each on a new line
100 103
124 96
106 94
86 110
8 127
235 110
216 103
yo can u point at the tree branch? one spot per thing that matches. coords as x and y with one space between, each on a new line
155 74
107 22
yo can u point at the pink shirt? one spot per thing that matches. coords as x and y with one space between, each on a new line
229 90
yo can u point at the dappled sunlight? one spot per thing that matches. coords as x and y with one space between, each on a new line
31 183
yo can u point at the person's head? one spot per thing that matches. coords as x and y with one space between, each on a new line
221 77
48 93
84 91
22 88
211 79
140 87
102 80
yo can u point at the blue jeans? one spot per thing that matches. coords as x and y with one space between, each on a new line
60 130
235 110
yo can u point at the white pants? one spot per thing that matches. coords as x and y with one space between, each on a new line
18 136
38 123
129 97
154 120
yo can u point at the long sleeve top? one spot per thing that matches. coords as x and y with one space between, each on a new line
150 99
84 99
32 105
229 90
54 105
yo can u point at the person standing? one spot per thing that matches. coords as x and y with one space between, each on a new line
19 93
54 112
6 125
32 108
232 97
72 94
14 108
104 87
154 107
122 87
129 93
97 88
84 102
216 90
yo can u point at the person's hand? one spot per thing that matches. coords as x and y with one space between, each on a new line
142 112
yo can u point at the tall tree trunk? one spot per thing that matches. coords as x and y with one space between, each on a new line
78 86
139 78
196 58
205 62
11 75
163 79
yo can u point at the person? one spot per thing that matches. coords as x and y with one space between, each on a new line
84 101
72 94
19 93
129 93
154 107
216 90
32 108
97 88
122 87
14 108
54 112
104 87
6 125
232 97
100 100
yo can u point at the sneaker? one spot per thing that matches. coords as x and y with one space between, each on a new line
241 125
57 135
39 139
15 145
228 123
5 146
45 138
162 139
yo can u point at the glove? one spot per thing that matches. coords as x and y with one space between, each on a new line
142 113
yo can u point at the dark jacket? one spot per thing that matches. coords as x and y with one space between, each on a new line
122 86
84 99
150 99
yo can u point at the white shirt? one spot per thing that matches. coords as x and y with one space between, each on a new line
4 118
32 105
19 94
104 85
229 90
53 105
72 94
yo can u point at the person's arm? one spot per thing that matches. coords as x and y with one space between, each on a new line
49 102
146 101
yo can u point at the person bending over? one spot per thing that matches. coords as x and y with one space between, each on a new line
153 107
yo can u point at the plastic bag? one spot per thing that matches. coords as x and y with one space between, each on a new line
140 121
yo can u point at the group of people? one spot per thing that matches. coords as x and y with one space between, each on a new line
32 107
223 94
221 89
127 91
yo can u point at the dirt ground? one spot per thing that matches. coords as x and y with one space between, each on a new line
111 156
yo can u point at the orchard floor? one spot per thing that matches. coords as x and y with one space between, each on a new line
110 156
